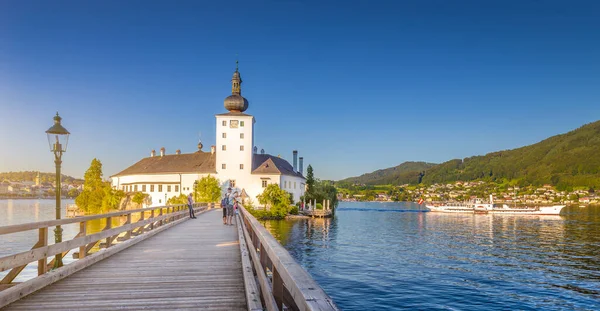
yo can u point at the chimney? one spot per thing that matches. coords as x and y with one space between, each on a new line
162 151
255 150
152 153
295 153
262 151
177 151
212 149
301 168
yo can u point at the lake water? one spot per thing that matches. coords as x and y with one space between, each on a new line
388 256
14 212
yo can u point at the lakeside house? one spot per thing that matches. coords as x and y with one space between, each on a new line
234 160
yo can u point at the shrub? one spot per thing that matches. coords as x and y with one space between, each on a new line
294 210
319 206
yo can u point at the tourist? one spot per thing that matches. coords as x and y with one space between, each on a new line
224 201
230 201
190 206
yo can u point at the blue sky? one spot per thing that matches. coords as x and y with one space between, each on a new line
354 86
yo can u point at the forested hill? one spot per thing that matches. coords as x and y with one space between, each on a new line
405 173
565 161
44 177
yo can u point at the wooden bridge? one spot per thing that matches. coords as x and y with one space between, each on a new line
157 259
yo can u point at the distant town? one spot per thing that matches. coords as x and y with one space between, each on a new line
463 191
39 188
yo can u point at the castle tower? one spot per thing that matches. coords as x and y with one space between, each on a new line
235 137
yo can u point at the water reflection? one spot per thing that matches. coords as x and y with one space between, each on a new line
374 256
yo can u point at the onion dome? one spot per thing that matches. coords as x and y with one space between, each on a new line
236 102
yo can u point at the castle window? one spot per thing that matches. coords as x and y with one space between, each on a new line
224 135
143 188
264 184
135 188
241 166
169 188
159 188
294 185
224 123
242 148
224 147
151 188
232 183
241 135
123 187
241 123
224 166
176 188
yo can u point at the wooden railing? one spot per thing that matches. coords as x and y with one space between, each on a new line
282 283
112 239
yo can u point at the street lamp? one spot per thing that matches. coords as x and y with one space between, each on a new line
58 138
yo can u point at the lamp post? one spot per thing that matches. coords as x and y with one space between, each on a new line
58 138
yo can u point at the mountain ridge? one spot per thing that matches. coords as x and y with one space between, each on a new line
565 160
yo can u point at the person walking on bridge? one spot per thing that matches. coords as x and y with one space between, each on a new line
230 200
190 199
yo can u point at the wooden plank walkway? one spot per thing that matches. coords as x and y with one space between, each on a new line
194 265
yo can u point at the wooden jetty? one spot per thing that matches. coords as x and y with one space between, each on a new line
326 210
163 261
74 211
320 213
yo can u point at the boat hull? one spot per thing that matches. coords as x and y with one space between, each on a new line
545 210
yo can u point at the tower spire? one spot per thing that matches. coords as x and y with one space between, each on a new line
235 102
236 81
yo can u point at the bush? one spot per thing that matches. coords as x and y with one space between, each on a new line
261 214
181 199
319 206
294 210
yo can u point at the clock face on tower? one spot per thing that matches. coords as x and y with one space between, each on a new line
233 124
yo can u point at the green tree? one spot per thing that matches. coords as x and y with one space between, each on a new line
97 195
276 200
112 198
139 198
207 190
180 199
310 183
73 193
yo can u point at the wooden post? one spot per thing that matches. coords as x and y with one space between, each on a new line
108 226
160 222
152 223
42 241
263 256
141 230
128 234
82 232
277 289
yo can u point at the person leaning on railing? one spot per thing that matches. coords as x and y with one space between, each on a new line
191 205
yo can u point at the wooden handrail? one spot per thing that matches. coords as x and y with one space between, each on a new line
290 284
41 251
66 221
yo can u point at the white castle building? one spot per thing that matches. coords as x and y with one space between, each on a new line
234 161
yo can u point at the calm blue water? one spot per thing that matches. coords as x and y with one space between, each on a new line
387 256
